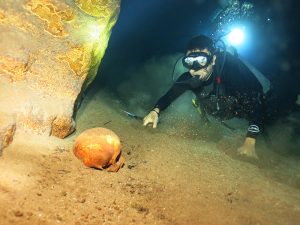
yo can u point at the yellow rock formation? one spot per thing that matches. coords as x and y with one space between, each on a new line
53 14
50 51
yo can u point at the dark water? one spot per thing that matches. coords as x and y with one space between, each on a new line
159 28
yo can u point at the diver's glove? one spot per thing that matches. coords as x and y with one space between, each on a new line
248 148
152 118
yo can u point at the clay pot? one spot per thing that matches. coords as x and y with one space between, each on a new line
99 148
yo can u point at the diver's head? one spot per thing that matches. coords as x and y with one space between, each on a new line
200 57
201 42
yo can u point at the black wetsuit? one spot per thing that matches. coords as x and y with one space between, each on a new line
231 91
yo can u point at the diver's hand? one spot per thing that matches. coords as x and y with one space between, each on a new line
248 148
151 118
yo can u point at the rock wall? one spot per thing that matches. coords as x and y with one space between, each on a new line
50 51
7 130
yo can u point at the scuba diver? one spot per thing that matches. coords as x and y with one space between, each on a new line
224 88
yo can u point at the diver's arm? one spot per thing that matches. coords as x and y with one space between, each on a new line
243 84
254 128
252 97
256 114
176 90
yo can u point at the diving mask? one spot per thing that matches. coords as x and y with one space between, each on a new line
196 60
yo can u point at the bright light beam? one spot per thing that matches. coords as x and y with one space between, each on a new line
94 31
236 36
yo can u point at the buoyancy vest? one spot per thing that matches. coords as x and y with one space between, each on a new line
214 100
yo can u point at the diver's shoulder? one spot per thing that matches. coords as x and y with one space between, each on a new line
230 58
228 55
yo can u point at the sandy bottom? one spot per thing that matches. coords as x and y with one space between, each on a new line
172 175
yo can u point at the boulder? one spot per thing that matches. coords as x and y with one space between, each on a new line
50 51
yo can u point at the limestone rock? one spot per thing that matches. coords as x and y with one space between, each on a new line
50 51
7 130
62 126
